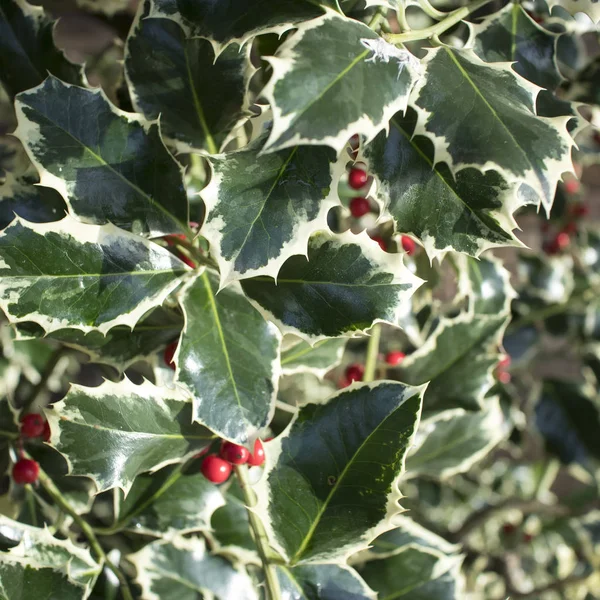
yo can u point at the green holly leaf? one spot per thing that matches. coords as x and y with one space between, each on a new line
549 281
326 503
182 569
333 582
512 35
299 356
22 581
231 21
479 114
318 75
590 7
230 528
115 280
116 431
415 573
476 206
110 166
169 72
228 359
170 501
454 440
27 50
39 548
343 286
262 209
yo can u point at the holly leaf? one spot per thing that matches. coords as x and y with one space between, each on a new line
228 359
22 581
415 573
27 50
107 7
262 209
342 287
331 501
476 207
182 568
116 431
110 166
168 73
589 7
333 582
170 501
512 35
457 359
323 77
299 356
230 528
483 115
232 21
454 440
116 278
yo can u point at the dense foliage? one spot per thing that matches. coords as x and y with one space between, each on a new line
268 329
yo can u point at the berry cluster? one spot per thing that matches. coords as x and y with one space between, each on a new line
502 372
217 468
172 241
356 371
33 426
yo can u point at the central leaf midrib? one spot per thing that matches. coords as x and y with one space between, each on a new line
99 275
178 436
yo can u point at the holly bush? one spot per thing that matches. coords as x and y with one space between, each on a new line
268 328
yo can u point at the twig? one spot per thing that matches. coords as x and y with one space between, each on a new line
432 12
372 353
401 13
86 529
46 374
452 19
260 535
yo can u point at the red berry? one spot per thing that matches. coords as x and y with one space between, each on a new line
355 372
527 537
394 358
572 186
380 241
25 471
169 354
32 425
508 528
171 239
408 244
357 178
504 362
570 228
46 433
359 207
194 225
562 240
188 261
233 453
257 458
504 377
580 210
215 469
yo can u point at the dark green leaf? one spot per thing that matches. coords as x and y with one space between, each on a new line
116 431
228 359
262 209
20 581
198 98
27 50
321 91
344 285
68 274
231 528
331 479
109 165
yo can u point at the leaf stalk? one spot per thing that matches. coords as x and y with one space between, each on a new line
372 353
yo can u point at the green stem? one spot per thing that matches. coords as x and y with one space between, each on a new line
547 478
86 529
372 353
452 19
432 12
401 13
377 18
196 253
260 535
47 373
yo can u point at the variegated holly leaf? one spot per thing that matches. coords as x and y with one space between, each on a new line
547 281
21 580
483 115
454 440
121 346
476 207
170 501
228 359
457 359
38 547
182 569
198 96
342 287
107 7
321 91
331 501
67 274
27 50
231 21
110 166
262 209
333 582
299 356
512 35
589 7
415 573
116 431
